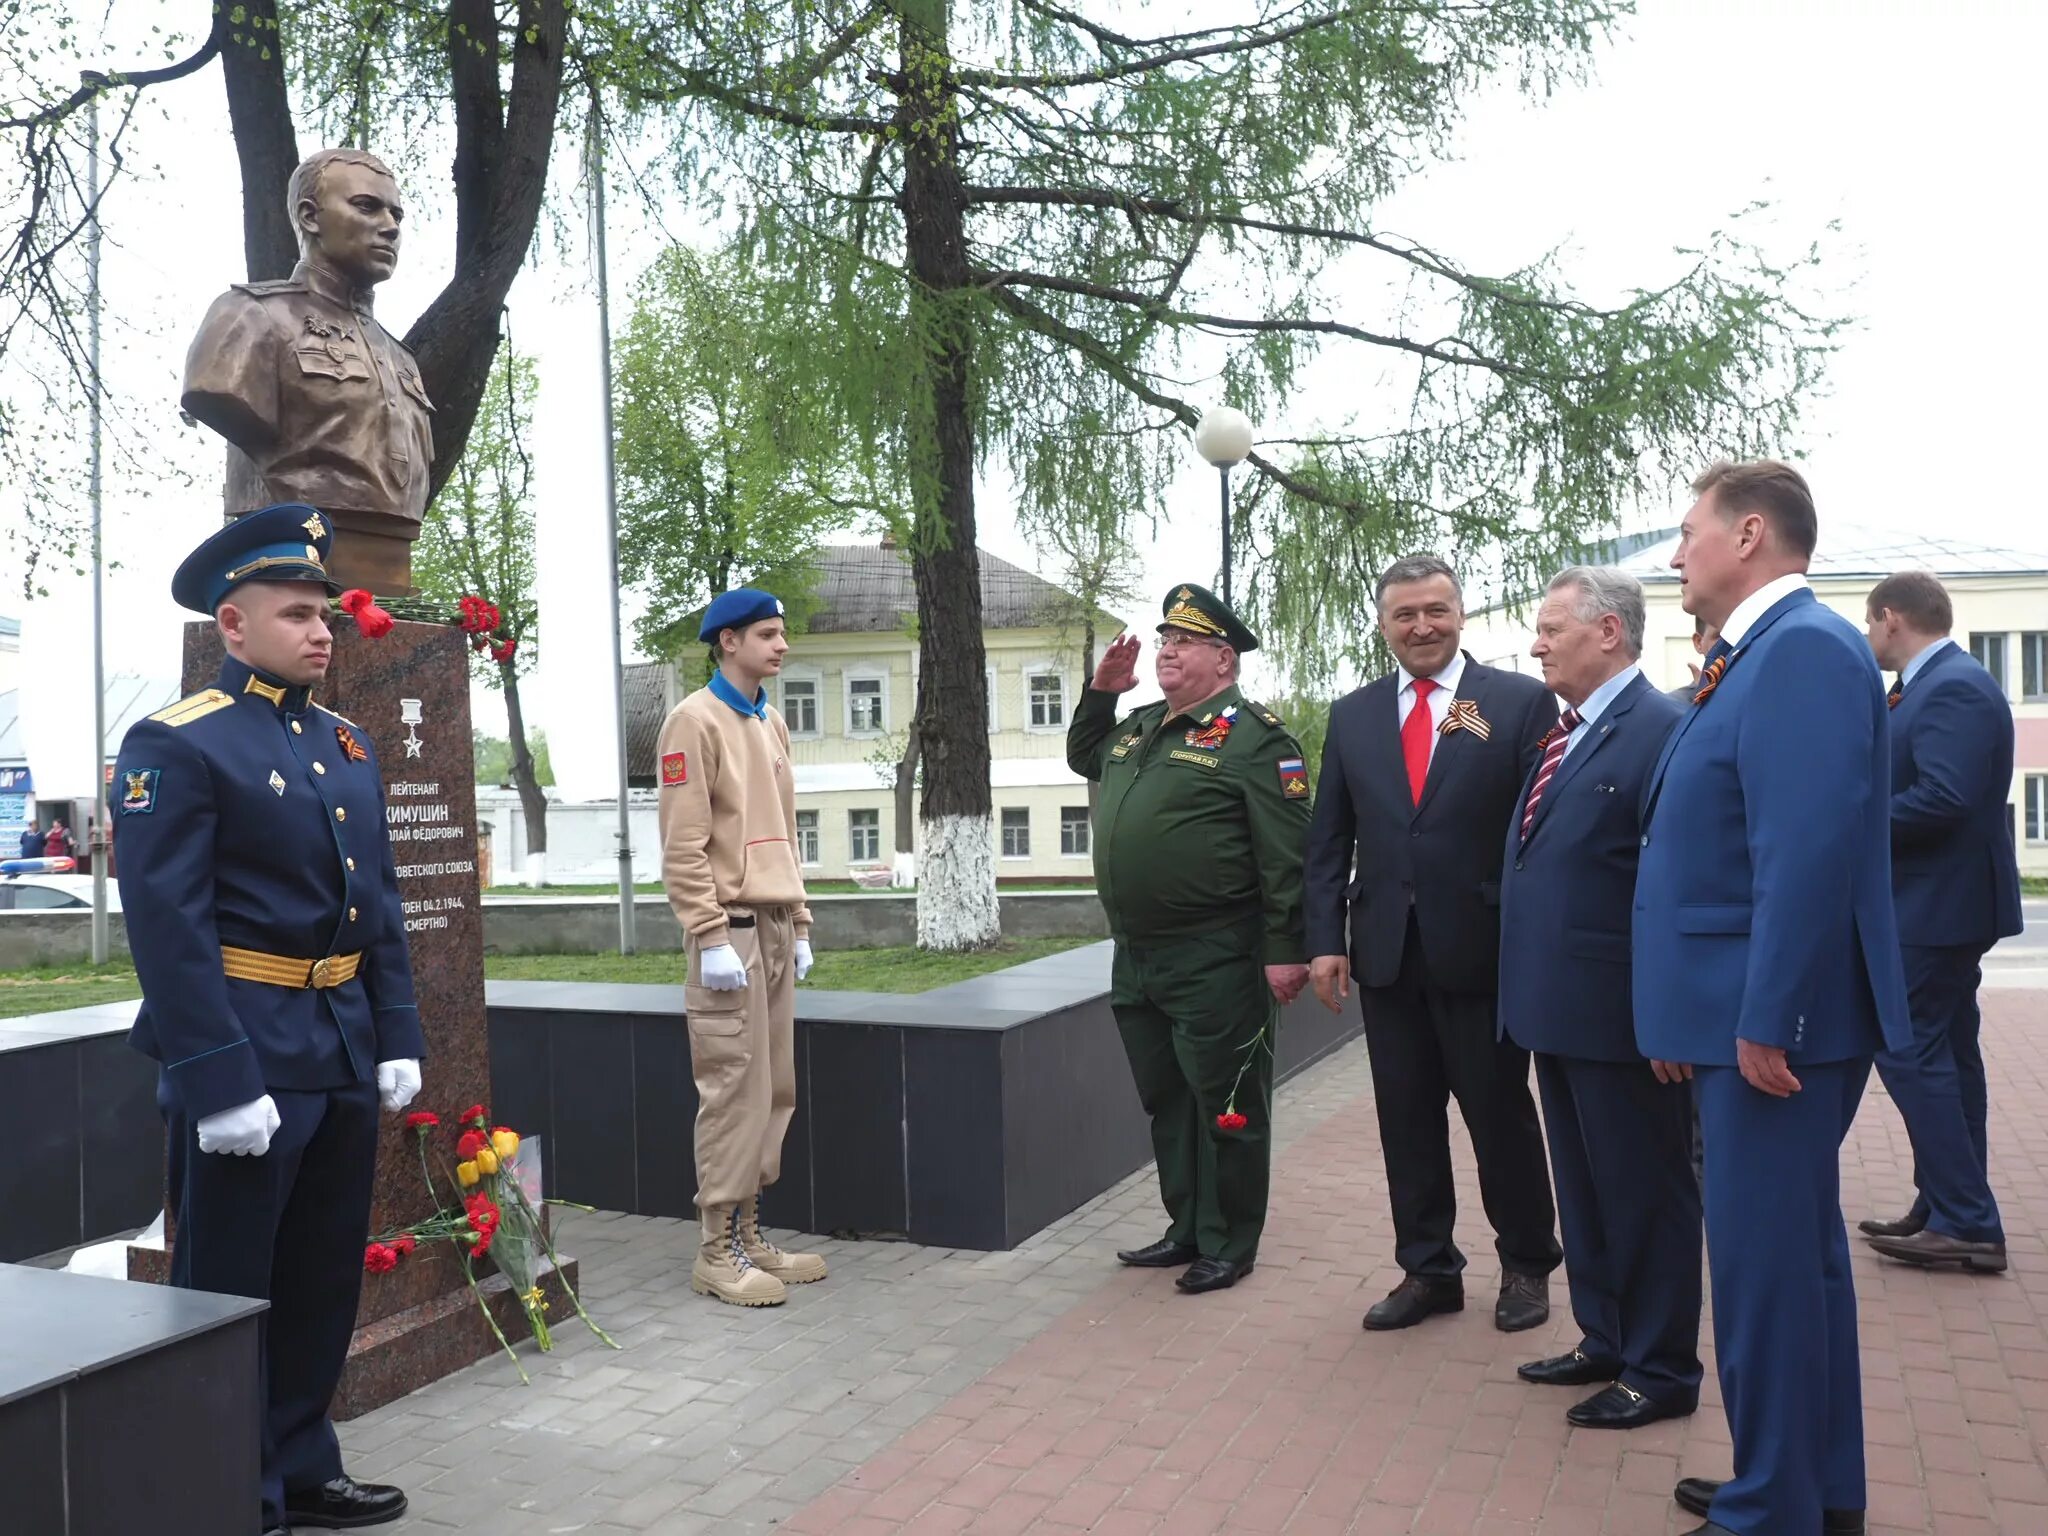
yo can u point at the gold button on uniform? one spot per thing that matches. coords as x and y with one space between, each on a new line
319 767
295 729
351 914
340 813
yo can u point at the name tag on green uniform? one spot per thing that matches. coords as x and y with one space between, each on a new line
1195 757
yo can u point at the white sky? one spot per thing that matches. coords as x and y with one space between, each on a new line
1918 126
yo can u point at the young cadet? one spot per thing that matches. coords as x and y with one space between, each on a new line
729 861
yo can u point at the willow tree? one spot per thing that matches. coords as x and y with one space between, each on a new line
1023 224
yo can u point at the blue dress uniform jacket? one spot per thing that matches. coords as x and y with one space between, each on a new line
1566 893
250 817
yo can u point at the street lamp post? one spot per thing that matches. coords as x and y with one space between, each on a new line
1224 438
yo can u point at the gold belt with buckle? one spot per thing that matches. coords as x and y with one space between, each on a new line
283 971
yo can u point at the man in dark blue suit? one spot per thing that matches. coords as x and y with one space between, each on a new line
1620 1134
1421 770
263 913
1767 959
1956 884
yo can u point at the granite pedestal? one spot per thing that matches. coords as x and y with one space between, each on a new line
408 691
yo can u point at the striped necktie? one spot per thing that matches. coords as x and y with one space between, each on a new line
1553 753
1893 694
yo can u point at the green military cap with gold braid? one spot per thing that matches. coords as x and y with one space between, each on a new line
1200 612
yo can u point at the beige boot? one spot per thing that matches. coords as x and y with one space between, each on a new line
789 1268
722 1268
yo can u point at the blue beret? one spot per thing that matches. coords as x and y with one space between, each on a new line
737 609
287 542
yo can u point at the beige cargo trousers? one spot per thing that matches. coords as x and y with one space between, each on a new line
743 1057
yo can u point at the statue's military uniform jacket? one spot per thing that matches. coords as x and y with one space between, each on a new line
260 896
319 403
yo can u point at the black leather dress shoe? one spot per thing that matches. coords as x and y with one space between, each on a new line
343 1505
1694 1494
1909 1225
1929 1249
1577 1369
1621 1406
1207 1274
1415 1298
1524 1302
1160 1255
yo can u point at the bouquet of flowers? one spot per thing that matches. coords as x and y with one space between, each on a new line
481 621
489 1213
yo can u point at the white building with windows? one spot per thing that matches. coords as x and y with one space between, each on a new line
2001 614
849 687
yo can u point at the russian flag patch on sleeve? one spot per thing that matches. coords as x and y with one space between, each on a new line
674 770
1293 778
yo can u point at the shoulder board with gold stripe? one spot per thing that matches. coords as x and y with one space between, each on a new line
1265 714
344 719
195 707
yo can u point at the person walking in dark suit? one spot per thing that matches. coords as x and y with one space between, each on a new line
1766 957
1956 885
1620 1135
1421 772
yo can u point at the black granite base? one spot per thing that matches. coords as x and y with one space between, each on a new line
126 1408
967 1117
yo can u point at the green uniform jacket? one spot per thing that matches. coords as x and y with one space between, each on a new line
1201 820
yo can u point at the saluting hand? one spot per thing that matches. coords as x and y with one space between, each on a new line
1117 672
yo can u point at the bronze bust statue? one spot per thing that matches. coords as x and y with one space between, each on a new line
318 402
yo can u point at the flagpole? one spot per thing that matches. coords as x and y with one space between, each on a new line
98 842
611 526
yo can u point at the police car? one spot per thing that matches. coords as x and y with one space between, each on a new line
48 885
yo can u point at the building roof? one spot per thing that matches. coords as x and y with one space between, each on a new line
1858 550
866 588
129 698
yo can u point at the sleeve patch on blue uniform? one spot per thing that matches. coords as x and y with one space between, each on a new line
1293 777
138 790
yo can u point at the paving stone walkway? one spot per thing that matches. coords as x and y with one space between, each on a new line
1047 1389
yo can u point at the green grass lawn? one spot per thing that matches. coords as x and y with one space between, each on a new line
2034 885
50 988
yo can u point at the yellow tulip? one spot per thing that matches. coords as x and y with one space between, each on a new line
486 1160
505 1144
466 1174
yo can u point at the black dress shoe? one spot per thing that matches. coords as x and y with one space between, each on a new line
343 1505
1207 1274
1912 1224
1929 1249
1694 1494
1415 1298
1577 1369
1163 1254
1621 1406
1524 1302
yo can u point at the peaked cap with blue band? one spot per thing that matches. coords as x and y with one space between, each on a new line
737 609
286 542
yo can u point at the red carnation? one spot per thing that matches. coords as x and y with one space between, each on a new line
474 1115
484 1216
404 1244
469 1144
1231 1120
370 619
380 1258
422 1120
478 616
479 643
504 652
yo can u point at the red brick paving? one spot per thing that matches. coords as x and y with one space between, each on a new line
1267 1409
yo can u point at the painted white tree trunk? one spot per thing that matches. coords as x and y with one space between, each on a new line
537 870
903 873
956 896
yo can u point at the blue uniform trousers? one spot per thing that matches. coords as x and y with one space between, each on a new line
1629 1207
1784 1303
288 1227
1938 1084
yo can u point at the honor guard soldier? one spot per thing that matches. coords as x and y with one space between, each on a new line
729 863
277 996
1198 839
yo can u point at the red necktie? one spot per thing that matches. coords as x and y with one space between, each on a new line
1553 754
1417 731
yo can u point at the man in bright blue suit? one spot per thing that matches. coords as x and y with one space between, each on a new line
1620 1133
1767 959
263 914
1956 885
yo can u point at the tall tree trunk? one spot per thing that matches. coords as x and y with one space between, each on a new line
956 889
266 143
905 869
533 799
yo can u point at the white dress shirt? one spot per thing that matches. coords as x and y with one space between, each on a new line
1597 703
1912 668
1759 603
1439 701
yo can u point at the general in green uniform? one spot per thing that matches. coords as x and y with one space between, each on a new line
1199 829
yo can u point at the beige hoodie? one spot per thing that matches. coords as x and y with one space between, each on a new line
728 816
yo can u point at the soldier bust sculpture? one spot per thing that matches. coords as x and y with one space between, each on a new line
318 402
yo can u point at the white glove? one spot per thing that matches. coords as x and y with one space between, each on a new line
804 962
243 1131
398 1082
722 968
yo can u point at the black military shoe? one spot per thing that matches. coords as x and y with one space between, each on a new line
1524 1302
343 1505
1164 1254
1577 1369
1694 1494
1207 1274
1415 1298
1912 1224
